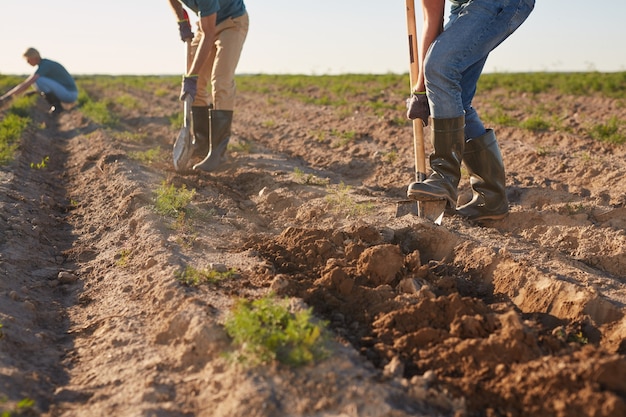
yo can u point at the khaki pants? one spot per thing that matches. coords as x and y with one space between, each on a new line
220 67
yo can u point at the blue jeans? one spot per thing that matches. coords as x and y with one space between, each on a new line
456 58
48 85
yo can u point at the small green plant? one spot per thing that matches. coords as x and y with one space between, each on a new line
98 111
572 209
193 277
170 201
542 151
240 146
23 406
11 128
391 157
268 124
310 179
265 330
127 101
535 123
1 333
122 258
136 137
342 202
344 137
147 157
608 132
42 164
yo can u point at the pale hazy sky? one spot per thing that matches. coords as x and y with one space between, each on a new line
296 37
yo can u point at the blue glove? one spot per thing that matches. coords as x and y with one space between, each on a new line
417 107
189 87
184 28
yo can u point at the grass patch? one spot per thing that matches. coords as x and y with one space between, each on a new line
13 124
535 123
309 179
23 407
193 277
608 132
265 331
341 201
171 201
147 157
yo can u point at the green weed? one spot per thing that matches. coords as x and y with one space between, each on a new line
240 146
23 406
97 111
40 165
135 137
268 124
147 157
123 258
265 330
608 132
341 201
13 124
11 128
127 101
193 277
170 201
309 179
535 123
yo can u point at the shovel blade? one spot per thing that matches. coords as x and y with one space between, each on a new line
183 146
432 210
183 149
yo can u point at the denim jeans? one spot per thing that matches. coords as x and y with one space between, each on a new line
456 58
48 85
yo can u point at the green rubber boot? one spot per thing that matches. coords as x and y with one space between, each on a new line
220 122
200 129
448 139
483 160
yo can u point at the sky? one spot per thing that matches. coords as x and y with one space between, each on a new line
140 37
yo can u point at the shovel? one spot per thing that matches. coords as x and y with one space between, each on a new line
431 209
183 146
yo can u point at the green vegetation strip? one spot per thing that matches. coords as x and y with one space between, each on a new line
13 125
265 330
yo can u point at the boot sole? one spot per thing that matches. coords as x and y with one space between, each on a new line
487 217
426 196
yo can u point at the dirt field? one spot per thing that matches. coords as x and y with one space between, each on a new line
519 317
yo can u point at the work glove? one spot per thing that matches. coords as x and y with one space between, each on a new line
184 28
189 87
417 107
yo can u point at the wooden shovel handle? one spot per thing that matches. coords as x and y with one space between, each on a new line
418 125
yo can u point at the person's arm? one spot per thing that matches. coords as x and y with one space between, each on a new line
432 12
184 26
178 9
21 87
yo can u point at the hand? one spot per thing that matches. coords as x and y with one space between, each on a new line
189 87
184 28
417 107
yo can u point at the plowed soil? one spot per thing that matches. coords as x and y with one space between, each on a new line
518 317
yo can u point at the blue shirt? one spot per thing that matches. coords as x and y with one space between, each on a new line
225 9
57 72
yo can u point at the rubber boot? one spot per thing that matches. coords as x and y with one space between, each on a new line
220 122
483 160
448 140
200 129
54 102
